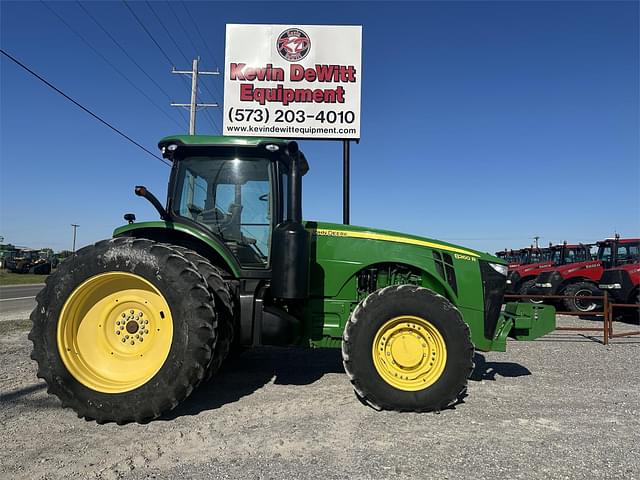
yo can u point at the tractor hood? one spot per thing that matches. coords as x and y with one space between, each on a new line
367 233
630 267
571 268
532 268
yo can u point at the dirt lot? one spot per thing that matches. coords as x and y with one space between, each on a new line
562 407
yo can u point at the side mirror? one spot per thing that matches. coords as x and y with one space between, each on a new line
130 217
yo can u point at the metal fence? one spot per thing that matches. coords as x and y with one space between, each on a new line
606 314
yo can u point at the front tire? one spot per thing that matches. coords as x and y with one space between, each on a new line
581 305
407 348
124 330
525 290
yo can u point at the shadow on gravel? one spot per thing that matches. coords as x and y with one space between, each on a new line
17 394
489 370
244 374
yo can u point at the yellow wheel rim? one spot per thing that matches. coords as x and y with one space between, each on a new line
409 353
114 332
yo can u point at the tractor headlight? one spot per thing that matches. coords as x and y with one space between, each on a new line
544 285
610 286
501 269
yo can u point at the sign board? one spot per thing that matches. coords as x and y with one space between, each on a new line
294 81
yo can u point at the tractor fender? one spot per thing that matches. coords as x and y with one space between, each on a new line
572 280
177 234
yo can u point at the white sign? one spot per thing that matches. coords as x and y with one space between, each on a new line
294 81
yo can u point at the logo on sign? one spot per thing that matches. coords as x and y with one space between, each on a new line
293 44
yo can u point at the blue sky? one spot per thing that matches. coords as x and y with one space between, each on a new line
482 123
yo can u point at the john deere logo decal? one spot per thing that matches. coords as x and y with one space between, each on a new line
293 44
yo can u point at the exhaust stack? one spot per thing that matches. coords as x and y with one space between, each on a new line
290 242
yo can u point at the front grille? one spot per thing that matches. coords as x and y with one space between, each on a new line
544 277
493 284
622 277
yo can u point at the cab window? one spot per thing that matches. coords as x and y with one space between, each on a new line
232 198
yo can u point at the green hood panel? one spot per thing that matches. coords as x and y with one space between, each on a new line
351 231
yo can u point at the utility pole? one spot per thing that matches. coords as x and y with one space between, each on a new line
346 158
194 105
536 238
74 236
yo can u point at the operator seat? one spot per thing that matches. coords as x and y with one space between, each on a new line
232 230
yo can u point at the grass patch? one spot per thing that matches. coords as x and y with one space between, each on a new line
10 278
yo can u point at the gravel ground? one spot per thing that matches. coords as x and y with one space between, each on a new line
561 407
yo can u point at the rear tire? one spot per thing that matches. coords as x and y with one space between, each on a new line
77 342
222 303
407 348
575 291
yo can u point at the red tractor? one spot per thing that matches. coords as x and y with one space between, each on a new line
623 282
560 255
521 277
581 279
512 257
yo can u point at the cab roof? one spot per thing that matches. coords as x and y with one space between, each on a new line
230 143
218 140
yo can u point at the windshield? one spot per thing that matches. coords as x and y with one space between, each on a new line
628 253
574 255
625 253
232 198
538 256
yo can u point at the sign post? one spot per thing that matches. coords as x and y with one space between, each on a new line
300 81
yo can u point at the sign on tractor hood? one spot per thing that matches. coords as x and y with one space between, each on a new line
294 81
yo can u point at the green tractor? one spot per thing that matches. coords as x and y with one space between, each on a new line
126 328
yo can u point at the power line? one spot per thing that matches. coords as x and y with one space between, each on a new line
148 33
157 44
207 114
206 45
175 43
104 122
164 53
213 57
195 49
193 105
167 31
106 60
182 27
106 32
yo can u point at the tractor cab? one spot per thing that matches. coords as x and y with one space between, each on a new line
565 253
513 258
615 252
245 194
